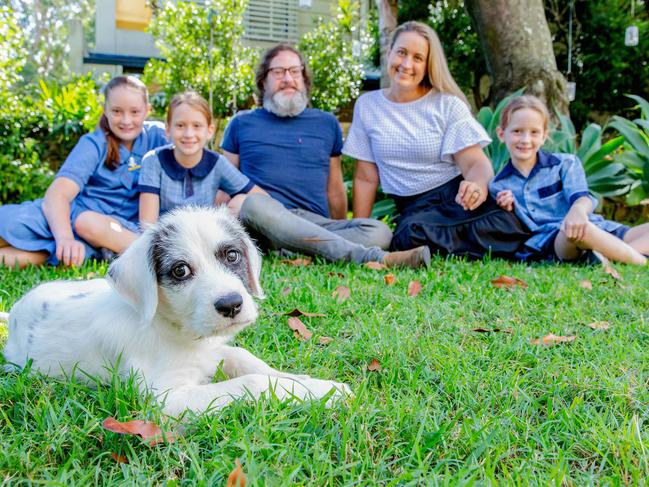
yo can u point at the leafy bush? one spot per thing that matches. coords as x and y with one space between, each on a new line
635 155
182 33
337 75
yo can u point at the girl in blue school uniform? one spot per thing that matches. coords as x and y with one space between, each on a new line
92 203
550 195
185 172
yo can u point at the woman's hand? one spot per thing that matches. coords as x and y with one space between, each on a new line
471 195
477 172
70 251
505 199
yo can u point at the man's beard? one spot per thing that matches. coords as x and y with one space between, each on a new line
286 105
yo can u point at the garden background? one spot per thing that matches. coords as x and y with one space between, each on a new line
450 383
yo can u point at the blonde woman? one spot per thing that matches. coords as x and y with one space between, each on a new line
419 140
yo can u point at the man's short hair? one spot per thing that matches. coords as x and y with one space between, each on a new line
264 65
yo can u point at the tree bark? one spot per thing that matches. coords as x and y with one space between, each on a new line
518 48
387 24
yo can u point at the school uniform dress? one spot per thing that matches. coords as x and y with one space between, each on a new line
544 197
412 145
102 190
178 186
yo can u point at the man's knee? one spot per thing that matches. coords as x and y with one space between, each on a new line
379 234
256 206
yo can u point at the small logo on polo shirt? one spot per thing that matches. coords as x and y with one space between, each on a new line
132 165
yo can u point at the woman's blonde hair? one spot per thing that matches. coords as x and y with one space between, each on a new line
520 102
438 75
194 100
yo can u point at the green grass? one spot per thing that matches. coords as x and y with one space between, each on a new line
449 406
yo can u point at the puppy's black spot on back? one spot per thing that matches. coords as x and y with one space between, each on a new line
79 295
45 308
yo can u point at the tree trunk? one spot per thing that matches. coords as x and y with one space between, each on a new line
518 48
387 24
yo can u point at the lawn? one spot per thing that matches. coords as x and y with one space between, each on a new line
449 405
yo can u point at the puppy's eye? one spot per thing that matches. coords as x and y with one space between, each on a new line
233 256
181 271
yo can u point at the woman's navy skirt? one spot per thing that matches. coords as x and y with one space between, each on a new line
434 218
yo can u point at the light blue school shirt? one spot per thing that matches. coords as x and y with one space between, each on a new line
178 186
111 192
544 197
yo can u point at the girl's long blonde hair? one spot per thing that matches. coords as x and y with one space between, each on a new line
438 76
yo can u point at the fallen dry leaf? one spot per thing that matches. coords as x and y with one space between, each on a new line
336 274
286 291
91 275
325 340
147 430
553 339
586 284
508 282
236 478
299 312
374 366
389 279
492 330
299 329
300 261
119 458
599 325
341 293
414 288
375 266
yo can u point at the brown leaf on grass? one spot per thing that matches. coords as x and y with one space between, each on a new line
586 284
299 329
492 330
325 340
91 275
147 430
236 478
374 366
414 288
299 312
599 325
375 266
553 339
389 279
341 293
300 261
508 282
119 458
336 274
286 291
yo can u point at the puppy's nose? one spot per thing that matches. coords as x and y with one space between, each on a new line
229 305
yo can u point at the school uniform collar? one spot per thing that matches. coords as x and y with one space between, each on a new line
177 172
544 160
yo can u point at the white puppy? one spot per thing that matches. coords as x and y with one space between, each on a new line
166 309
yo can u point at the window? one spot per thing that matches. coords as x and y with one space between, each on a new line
271 20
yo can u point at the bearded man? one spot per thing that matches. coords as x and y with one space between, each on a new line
293 153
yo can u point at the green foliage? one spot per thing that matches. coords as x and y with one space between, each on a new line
11 59
337 74
182 31
70 110
635 155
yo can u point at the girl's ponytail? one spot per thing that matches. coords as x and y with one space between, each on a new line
113 142
112 148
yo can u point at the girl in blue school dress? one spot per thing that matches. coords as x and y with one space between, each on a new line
92 203
185 172
550 195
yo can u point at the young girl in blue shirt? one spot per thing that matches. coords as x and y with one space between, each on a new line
550 195
185 172
92 202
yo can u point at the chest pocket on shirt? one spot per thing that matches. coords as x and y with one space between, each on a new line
553 189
